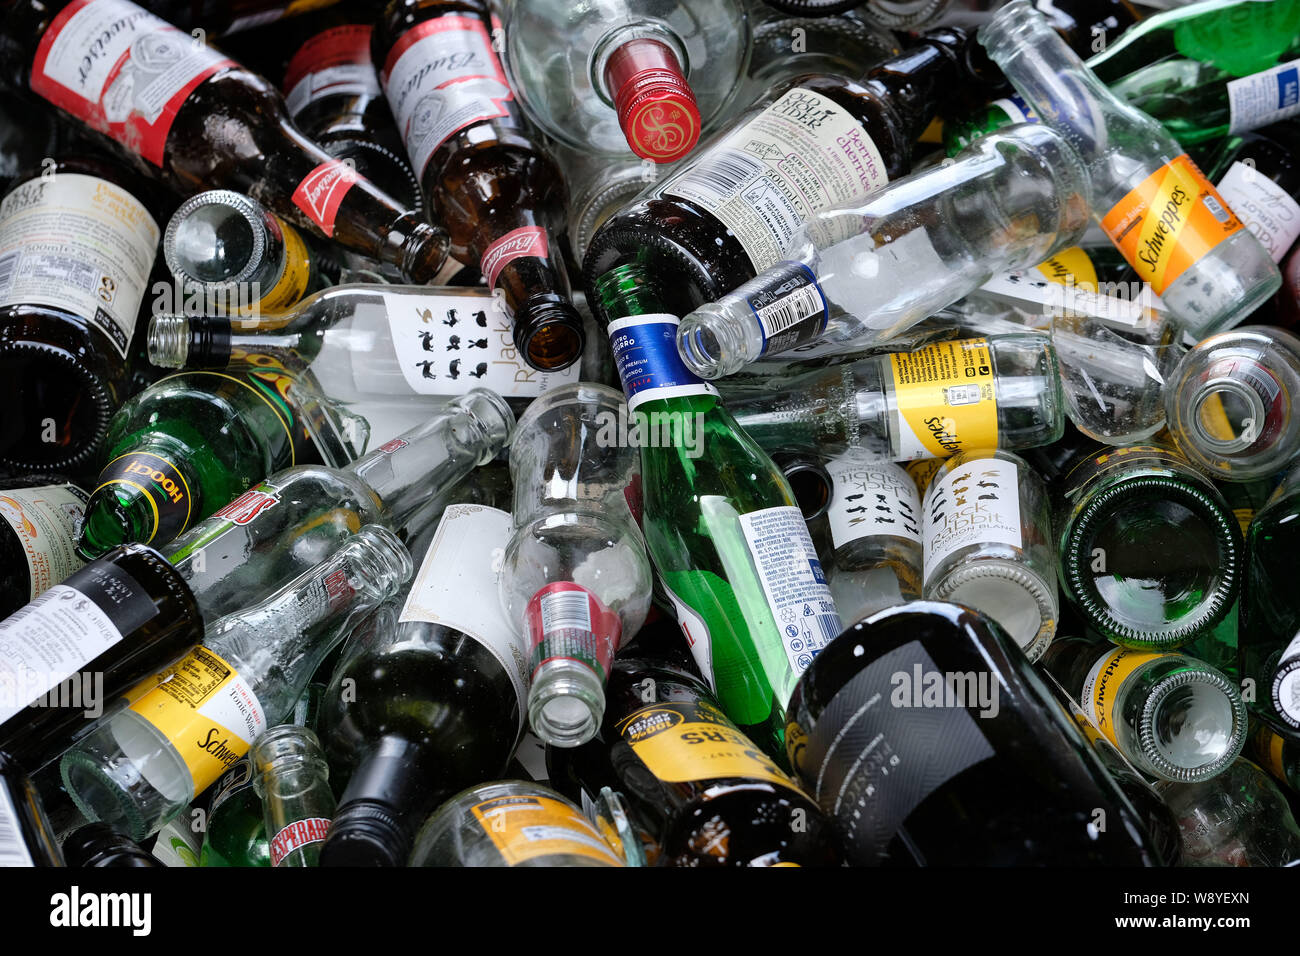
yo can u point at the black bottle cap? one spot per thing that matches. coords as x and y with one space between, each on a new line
366 833
99 845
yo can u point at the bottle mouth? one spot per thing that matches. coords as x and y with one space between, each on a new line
1014 597
699 344
1192 726
61 413
566 703
492 415
549 334
1012 27
385 561
168 340
1227 416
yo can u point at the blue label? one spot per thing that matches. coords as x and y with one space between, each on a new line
789 306
1288 88
649 366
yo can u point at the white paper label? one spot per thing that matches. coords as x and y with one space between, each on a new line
1266 208
449 344
13 851
236 707
440 77
46 522
77 243
978 503
872 499
457 587
46 642
802 154
1263 98
793 582
697 634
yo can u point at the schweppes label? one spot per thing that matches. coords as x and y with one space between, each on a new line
945 399
163 486
1102 686
1169 222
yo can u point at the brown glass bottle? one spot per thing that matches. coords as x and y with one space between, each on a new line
498 193
694 785
78 239
730 210
205 122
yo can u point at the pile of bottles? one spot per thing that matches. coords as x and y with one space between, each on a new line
652 432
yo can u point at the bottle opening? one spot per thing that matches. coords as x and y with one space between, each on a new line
1229 415
553 346
656 106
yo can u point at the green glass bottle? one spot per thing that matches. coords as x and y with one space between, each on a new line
189 444
720 522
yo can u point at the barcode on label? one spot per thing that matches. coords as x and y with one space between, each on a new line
790 310
829 625
721 174
1216 208
13 852
564 609
1265 386
8 265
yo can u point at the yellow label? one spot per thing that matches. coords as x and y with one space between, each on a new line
1070 267
208 712
526 827
945 398
934 132
690 742
292 284
1101 688
922 471
1267 748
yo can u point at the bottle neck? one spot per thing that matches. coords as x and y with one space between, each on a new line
641 70
913 82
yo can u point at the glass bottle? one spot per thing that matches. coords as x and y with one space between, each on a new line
857 275
499 194
689 779
575 580
1150 553
230 255
715 508
143 765
99 845
923 719
292 778
511 823
986 535
77 245
645 75
1228 403
1258 174
224 17
942 398
1278 755
38 539
371 342
1173 716
296 518
698 233
1207 268
29 839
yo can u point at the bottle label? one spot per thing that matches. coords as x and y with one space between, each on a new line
440 77
46 522
697 635
81 244
209 713
1264 98
649 366
1016 109
1169 222
872 499
456 587
790 308
449 344
292 284
793 582
976 504
526 827
944 399
694 741
877 752
13 849
247 506
1286 684
802 154
565 621
1268 748
321 192
121 70
297 835
1101 686
161 482
65 628
335 62
524 242
234 781
1266 208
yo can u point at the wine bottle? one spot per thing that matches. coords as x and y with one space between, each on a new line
38 539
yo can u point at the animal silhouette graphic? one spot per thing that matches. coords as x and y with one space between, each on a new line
480 319
427 366
453 370
479 370
478 343
426 342
453 344
451 320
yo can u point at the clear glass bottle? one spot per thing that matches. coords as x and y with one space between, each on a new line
511 823
1173 716
143 765
860 274
292 778
645 75
1209 270
875 531
575 578
1150 552
942 398
986 526
1229 403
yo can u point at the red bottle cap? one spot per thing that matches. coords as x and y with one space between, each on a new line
656 106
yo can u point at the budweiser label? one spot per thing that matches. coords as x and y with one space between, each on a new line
524 241
121 70
335 62
322 190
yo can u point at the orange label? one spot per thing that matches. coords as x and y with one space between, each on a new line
1172 219
525 827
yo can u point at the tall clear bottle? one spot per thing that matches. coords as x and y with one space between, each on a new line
292 778
1148 195
146 763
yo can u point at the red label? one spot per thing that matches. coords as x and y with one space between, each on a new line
565 621
248 506
121 70
322 190
297 835
342 46
389 447
337 588
524 241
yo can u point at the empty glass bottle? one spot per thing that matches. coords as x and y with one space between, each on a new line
1278 755
292 778
38 539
